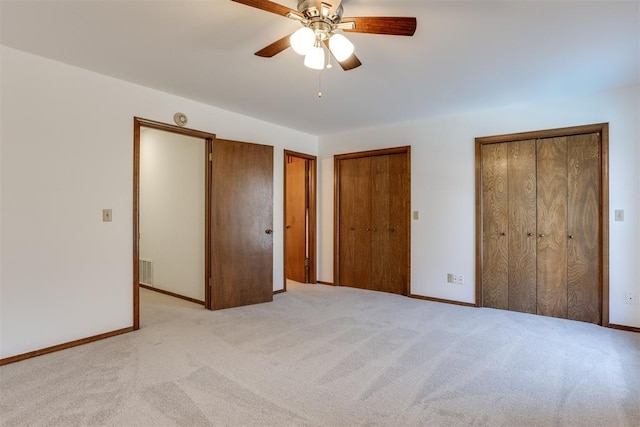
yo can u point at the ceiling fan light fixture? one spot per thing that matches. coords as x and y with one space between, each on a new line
303 40
315 58
341 47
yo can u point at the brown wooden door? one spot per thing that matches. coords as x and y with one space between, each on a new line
522 195
583 284
296 200
552 227
495 246
355 223
241 224
555 262
389 207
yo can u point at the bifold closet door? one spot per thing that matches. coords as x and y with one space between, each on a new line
521 234
552 226
495 246
584 187
389 208
355 223
509 241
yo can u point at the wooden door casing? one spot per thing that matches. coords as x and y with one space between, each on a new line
296 218
355 223
241 224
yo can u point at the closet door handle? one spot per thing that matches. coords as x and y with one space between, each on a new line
529 234
571 236
503 234
542 235
268 231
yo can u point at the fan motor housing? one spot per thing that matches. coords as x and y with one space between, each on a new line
309 9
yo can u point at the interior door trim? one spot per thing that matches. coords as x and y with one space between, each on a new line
312 231
603 130
336 205
208 137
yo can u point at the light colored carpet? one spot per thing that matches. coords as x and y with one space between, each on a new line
329 356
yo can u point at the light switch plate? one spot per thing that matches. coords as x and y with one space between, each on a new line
106 215
619 215
416 215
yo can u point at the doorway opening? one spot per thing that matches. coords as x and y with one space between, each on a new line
171 210
299 217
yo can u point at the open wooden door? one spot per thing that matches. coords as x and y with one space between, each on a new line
296 205
241 224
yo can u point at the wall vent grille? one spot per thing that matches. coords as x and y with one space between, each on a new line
145 268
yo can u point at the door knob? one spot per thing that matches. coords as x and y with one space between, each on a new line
542 235
268 231
530 234
288 226
571 236
367 229
503 234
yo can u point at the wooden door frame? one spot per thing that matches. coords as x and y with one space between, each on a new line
311 193
336 205
208 138
603 130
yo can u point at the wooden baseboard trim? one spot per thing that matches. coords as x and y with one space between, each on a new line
445 301
281 291
64 346
172 294
320 282
624 328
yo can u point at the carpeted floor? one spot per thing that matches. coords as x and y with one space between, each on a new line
328 356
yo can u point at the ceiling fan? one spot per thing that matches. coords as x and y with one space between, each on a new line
322 27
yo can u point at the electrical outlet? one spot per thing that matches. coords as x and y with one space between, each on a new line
106 215
630 298
458 279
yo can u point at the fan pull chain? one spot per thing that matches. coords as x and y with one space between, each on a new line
319 84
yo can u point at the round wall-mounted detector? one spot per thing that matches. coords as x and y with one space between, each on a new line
180 119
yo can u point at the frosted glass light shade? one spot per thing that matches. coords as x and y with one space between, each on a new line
341 47
315 58
302 41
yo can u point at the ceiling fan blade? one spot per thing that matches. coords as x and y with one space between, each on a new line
391 26
348 64
274 48
270 6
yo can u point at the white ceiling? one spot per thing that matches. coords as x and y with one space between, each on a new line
465 55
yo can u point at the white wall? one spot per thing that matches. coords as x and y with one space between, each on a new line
66 138
172 210
443 179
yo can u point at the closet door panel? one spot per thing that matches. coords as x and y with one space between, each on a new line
552 227
355 223
495 248
522 226
584 228
389 226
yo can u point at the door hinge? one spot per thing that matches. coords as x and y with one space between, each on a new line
210 282
306 262
211 157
